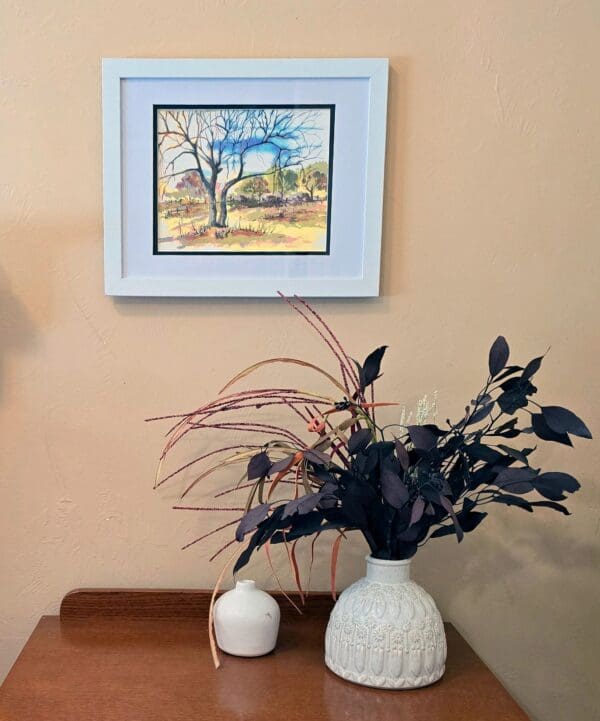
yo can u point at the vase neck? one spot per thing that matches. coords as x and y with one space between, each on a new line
245 586
382 571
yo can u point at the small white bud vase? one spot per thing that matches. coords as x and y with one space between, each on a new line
386 631
246 621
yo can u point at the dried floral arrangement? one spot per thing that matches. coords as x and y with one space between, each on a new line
399 485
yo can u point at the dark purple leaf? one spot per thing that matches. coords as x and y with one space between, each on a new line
480 414
259 466
449 508
354 510
402 454
562 420
542 430
302 505
359 440
417 511
481 452
329 487
251 520
515 394
446 504
393 489
518 384
422 438
515 480
372 365
329 495
409 534
305 525
435 430
468 521
532 368
281 465
317 457
406 550
244 557
499 353
361 376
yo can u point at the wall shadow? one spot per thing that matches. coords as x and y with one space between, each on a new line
17 330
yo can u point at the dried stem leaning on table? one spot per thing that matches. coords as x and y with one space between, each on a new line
399 485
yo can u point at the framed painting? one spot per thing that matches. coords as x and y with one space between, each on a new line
243 177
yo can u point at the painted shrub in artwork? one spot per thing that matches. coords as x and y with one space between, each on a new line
243 179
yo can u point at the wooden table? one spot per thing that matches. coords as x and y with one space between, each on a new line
143 656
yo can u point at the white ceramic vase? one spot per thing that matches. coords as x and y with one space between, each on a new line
386 631
246 621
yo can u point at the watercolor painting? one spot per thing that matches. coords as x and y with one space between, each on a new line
243 179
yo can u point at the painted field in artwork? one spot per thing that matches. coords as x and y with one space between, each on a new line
243 179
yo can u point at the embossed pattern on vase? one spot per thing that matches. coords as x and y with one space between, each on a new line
386 635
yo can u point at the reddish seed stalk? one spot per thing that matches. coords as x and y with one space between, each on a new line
173 441
173 428
210 533
373 401
166 418
256 396
320 333
203 457
223 404
243 486
254 404
337 448
297 412
223 548
258 404
312 558
254 399
348 360
244 395
206 508
345 379
259 427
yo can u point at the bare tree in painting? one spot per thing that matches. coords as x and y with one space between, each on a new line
225 147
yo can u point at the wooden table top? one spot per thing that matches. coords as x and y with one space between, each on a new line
144 656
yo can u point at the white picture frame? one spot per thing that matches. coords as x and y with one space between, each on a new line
355 87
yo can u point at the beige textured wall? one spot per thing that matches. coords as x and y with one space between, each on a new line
491 225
